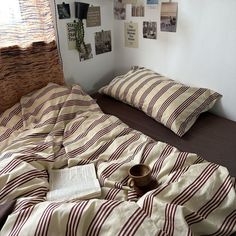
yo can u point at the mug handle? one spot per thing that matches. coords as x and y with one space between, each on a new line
131 182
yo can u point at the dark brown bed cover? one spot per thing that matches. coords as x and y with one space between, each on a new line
212 137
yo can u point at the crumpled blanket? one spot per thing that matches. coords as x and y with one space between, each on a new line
58 127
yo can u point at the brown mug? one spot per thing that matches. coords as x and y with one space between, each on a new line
140 176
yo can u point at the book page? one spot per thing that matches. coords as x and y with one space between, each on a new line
73 183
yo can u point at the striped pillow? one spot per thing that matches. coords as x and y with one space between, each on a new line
173 104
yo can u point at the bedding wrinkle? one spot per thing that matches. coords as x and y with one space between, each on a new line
169 100
187 102
122 83
147 91
108 171
200 108
135 91
64 127
137 81
157 96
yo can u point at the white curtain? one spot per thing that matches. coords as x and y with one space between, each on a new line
28 52
25 21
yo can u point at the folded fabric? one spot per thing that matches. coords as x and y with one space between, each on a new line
5 210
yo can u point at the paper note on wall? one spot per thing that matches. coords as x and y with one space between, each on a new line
103 42
169 16
85 53
119 10
129 1
93 17
71 36
131 35
138 9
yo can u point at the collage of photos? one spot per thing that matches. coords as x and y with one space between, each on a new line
92 16
102 39
168 16
168 19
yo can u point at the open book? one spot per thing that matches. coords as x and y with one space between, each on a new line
78 182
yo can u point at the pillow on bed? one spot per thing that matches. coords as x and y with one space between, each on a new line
169 102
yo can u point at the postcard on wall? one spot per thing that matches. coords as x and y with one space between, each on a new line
103 42
152 2
131 35
93 17
150 29
138 9
63 11
86 53
119 10
169 12
71 36
129 1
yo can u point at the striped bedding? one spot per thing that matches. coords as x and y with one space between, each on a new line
169 102
58 126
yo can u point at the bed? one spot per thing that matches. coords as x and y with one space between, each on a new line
212 137
58 126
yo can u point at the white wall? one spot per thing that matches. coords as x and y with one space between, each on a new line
201 53
90 74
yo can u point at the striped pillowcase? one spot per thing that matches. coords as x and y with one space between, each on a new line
173 104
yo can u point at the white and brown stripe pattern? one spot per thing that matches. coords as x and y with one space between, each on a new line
212 204
74 218
101 216
133 223
185 195
30 177
64 127
44 221
21 219
173 104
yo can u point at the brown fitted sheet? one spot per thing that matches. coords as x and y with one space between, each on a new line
212 137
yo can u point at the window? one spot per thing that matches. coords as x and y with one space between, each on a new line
23 22
10 12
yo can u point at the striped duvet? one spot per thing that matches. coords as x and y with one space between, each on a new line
56 127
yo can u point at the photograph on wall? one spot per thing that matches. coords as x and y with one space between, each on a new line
152 2
149 30
103 42
129 1
93 17
86 53
71 36
131 35
169 12
138 9
119 10
63 11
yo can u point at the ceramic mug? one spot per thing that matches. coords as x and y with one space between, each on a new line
139 176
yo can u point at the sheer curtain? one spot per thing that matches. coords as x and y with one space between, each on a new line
28 52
